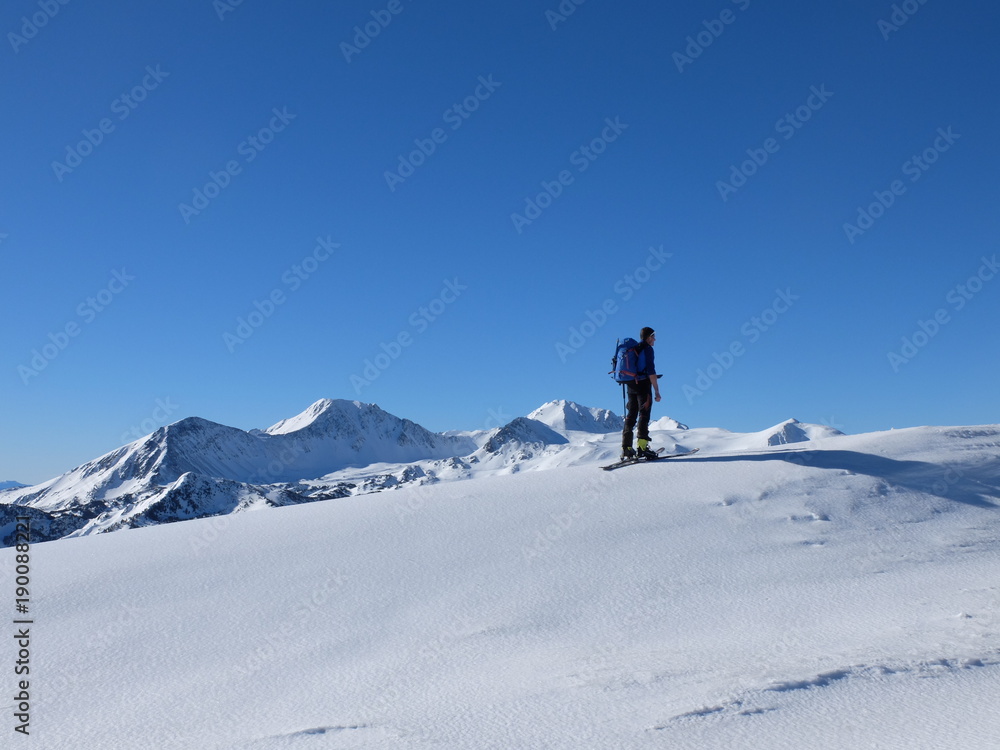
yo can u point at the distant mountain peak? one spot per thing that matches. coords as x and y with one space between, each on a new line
667 423
188 424
323 411
524 431
571 416
794 431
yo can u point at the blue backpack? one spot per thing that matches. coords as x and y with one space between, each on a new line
629 361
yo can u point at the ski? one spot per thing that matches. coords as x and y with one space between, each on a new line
630 461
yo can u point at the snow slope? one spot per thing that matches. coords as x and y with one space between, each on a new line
833 594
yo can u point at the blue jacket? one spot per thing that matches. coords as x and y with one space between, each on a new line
650 363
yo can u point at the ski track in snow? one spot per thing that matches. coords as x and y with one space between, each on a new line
757 701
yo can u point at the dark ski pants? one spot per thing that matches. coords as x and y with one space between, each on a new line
640 403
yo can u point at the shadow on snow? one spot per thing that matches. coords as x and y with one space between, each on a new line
948 482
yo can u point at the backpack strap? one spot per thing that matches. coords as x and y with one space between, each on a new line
639 350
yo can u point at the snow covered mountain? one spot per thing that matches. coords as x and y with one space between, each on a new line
196 468
667 423
9 485
793 431
827 594
566 416
523 431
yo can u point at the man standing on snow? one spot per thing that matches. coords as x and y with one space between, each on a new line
640 400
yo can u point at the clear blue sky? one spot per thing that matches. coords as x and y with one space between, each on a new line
172 168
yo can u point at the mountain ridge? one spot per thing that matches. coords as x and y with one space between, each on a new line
334 448
799 595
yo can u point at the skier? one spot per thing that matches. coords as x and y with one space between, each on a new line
640 401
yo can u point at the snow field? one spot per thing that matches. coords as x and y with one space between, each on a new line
841 597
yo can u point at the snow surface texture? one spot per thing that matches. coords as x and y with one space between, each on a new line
831 594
